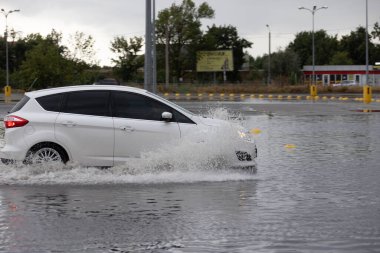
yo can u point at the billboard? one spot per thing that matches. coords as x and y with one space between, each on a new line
215 61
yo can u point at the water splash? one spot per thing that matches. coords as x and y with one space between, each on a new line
185 161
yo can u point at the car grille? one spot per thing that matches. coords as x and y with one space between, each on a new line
243 156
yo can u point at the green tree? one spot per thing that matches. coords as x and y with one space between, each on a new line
47 63
44 66
128 61
325 47
180 26
376 31
224 38
341 58
354 44
284 66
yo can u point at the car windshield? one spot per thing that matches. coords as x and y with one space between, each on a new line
175 106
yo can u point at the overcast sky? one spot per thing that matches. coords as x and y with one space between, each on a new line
106 19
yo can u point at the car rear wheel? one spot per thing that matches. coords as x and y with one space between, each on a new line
46 153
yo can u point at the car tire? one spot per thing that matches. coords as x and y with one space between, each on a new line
45 153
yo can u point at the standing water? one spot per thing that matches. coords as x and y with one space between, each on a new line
315 190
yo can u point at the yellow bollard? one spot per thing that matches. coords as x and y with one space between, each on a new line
279 97
313 90
367 94
7 91
289 97
255 131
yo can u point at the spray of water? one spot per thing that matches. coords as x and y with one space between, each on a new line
206 156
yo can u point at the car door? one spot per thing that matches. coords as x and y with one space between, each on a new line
139 126
85 127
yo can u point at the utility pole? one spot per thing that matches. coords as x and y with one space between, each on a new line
366 43
269 77
167 58
154 78
6 13
149 48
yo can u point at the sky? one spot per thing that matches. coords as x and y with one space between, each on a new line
106 19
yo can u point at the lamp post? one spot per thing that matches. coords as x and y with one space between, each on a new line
366 43
6 13
313 11
269 77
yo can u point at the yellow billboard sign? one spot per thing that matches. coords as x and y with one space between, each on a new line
215 61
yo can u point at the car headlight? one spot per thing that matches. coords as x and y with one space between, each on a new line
244 135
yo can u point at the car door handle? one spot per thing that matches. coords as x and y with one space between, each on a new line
127 128
69 123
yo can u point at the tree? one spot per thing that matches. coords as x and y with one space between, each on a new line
179 25
81 48
325 47
47 63
354 44
128 61
376 31
44 66
225 38
341 58
284 66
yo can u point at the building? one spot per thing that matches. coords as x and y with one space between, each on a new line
331 74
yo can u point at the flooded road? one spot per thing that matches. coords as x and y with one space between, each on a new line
316 189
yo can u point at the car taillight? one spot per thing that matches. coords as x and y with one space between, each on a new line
14 121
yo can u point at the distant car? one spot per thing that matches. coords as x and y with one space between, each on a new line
346 83
107 81
104 125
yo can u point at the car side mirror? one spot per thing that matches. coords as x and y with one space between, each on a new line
167 116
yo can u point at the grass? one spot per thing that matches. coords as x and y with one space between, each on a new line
248 88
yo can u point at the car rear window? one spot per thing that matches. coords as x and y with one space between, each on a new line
51 102
20 104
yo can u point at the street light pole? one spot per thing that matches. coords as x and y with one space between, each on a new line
313 11
148 78
366 43
269 77
6 13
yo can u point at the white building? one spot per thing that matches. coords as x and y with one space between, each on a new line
330 74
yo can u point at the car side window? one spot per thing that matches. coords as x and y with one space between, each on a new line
136 106
87 102
51 102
